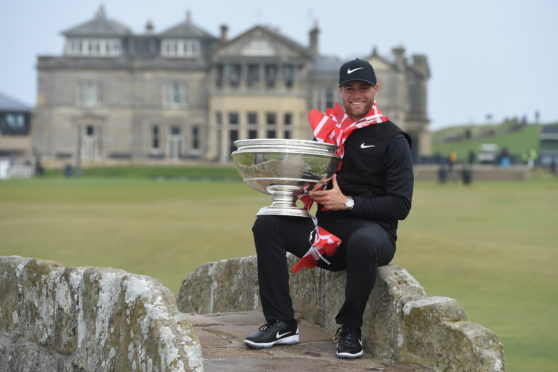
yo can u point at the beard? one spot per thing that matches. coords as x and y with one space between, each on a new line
358 108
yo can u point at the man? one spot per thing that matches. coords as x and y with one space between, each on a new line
361 206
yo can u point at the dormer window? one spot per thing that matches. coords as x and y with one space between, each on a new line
181 48
90 47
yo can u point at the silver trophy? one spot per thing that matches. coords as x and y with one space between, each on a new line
284 169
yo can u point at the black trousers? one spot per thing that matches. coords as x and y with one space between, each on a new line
364 247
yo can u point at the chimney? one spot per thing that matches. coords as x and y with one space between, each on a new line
224 32
420 64
314 34
399 53
101 14
149 27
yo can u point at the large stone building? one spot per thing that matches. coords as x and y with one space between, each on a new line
116 96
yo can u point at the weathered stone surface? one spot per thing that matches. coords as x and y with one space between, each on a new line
236 289
55 318
401 323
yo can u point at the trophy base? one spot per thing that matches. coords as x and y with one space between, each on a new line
283 211
284 198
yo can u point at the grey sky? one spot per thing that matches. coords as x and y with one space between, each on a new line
496 57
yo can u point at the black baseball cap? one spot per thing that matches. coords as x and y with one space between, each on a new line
357 70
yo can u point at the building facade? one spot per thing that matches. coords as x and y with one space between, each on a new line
15 129
184 94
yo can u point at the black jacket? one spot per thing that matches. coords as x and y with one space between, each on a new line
377 171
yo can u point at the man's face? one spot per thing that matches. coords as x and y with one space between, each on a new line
358 98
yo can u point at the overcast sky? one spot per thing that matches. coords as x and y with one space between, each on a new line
497 57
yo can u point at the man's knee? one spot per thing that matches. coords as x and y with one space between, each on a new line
366 243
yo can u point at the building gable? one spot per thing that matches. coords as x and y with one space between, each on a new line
99 26
262 42
186 29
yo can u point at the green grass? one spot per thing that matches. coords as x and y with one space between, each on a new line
491 246
154 172
516 142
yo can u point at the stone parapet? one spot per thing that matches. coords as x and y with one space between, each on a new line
55 318
401 323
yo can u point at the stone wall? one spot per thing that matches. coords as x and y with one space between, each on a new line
401 323
55 318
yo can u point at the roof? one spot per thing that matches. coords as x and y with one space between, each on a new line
100 25
327 64
11 104
549 128
186 29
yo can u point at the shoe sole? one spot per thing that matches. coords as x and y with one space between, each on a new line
291 340
349 355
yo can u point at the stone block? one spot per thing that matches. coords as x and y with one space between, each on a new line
56 318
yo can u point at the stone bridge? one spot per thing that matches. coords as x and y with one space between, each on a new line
56 318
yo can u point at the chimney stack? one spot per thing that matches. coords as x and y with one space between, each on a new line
314 42
149 27
224 32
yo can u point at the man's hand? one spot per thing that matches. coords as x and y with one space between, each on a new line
333 199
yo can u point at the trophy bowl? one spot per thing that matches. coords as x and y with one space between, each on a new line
284 169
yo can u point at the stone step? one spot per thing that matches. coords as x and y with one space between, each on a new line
222 334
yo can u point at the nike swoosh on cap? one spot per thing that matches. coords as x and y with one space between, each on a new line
365 146
349 71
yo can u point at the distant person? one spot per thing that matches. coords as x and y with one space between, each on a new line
361 205
442 174
438 158
452 159
467 174
504 158
553 165
532 156
472 158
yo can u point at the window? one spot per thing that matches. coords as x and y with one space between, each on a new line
89 93
155 138
233 130
174 95
252 125
233 71
270 75
253 75
181 48
195 137
220 76
15 121
220 134
288 125
89 130
233 118
288 75
258 48
330 96
270 120
93 47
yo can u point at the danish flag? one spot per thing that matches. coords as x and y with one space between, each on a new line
325 244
